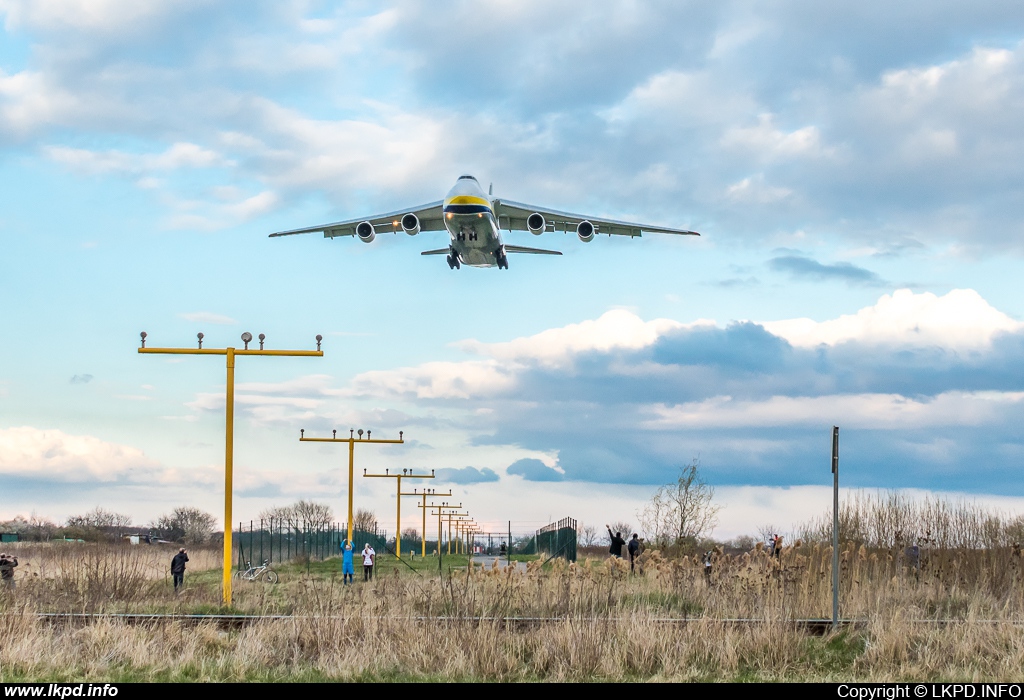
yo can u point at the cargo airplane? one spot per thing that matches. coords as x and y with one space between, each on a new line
474 222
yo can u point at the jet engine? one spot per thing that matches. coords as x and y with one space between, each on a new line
536 224
411 224
366 232
585 230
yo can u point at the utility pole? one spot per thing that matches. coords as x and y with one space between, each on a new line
229 428
352 441
835 528
406 474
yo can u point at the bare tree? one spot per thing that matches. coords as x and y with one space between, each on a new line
588 535
312 514
410 533
301 515
280 514
680 512
365 520
100 518
188 524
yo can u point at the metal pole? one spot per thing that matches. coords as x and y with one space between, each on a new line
229 458
835 528
508 549
423 551
398 519
351 485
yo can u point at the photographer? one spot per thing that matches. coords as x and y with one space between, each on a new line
178 568
7 564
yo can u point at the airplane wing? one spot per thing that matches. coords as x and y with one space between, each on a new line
430 216
534 251
513 215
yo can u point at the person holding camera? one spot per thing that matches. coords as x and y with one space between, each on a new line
178 568
7 564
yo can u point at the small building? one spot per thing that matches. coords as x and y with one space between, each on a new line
10 537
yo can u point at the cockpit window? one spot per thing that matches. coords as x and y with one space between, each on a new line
467 177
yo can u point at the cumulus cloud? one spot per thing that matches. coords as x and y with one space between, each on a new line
28 452
904 377
534 470
465 475
960 318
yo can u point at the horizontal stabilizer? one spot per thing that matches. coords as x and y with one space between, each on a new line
533 251
439 251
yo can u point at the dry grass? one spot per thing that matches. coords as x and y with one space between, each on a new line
958 620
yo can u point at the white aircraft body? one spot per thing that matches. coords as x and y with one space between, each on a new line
474 222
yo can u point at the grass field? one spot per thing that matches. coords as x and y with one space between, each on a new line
958 618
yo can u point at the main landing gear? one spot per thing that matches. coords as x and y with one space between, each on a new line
501 258
453 261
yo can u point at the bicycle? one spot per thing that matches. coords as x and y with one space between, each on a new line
257 573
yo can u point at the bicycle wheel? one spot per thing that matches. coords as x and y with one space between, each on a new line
269 576
238 575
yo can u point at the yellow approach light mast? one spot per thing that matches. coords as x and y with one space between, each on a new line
229 433
406 474
426 493
440 508
454 518
352 441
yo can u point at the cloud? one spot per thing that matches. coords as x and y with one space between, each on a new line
959 319
465 475
922 381
799 266
179 155
27 452
207 317
534 470
614 330
81 379
84 15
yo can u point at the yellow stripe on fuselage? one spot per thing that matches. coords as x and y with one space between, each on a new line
464 199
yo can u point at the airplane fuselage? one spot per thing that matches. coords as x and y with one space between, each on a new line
475 238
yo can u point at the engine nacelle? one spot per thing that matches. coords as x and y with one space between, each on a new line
411 224
585 230
366 232
535 224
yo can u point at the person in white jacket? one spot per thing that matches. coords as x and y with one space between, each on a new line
368 559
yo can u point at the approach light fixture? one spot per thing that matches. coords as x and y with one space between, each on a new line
360 433
262 338
230 354
318 339
247 338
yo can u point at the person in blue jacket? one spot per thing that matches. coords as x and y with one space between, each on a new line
348 570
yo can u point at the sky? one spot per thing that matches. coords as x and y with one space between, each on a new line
856 171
